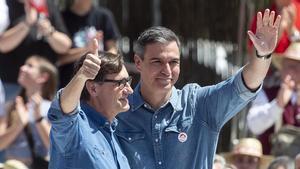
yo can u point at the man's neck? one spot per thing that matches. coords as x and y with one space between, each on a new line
109 115
155 99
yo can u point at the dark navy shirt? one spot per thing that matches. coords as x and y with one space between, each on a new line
83 140
183 133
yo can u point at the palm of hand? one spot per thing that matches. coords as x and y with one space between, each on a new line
266 36
266 40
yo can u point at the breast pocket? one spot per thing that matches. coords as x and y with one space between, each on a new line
179 125
131 136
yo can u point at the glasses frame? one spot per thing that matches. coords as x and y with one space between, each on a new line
121 83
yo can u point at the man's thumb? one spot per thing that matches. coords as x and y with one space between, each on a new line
95 47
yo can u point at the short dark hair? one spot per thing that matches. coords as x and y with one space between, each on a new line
153 35
110 64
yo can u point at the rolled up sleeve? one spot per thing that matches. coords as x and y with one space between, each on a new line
242 89
64 127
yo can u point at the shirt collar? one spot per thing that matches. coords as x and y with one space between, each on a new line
175 100
96 117
137 100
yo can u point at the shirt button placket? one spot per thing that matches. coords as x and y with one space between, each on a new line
156 141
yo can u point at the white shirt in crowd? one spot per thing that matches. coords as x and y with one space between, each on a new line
263 114
4 17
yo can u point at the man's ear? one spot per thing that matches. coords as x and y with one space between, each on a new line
138 62
91 88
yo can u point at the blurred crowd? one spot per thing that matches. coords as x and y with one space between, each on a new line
39 46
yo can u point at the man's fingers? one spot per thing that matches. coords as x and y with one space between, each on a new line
94 59
95 47
91 65
259 20
277 21
266 17
271 20
252 37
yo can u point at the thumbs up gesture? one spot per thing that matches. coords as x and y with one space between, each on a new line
92 62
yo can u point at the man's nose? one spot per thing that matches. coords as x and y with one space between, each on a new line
128 89
166 69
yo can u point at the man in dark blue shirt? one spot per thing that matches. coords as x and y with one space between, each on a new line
169 128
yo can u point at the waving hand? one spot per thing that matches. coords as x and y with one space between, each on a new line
265 39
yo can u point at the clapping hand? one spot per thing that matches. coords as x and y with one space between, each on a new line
31 13
286 90
37 99
22 116
265 39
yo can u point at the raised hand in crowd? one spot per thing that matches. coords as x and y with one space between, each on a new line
22 114
285 92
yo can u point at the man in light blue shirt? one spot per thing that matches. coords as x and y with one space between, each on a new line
82 134
168 128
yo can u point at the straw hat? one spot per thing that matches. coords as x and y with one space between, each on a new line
14 164
249 147
292 52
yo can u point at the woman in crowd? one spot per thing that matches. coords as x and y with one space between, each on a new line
24 133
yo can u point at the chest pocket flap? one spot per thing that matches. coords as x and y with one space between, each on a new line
131 136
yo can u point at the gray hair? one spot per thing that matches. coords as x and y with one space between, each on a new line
153 35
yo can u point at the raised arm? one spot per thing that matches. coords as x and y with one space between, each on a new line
264 41
71 93
11 38
58 41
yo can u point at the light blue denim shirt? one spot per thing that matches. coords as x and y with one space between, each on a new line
183 133
83 140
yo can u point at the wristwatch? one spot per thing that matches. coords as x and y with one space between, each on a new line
263 57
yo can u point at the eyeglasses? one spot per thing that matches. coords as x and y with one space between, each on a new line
121 83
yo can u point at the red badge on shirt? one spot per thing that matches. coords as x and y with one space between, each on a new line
182 137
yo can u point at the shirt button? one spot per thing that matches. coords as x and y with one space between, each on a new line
155 116
156 140
159 162
129 138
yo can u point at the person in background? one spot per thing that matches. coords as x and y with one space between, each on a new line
32 31
164 124
247 154
282 162
297 161
83 114
219 162
24 131
4 22
84 22
4 19
13 164
278 103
